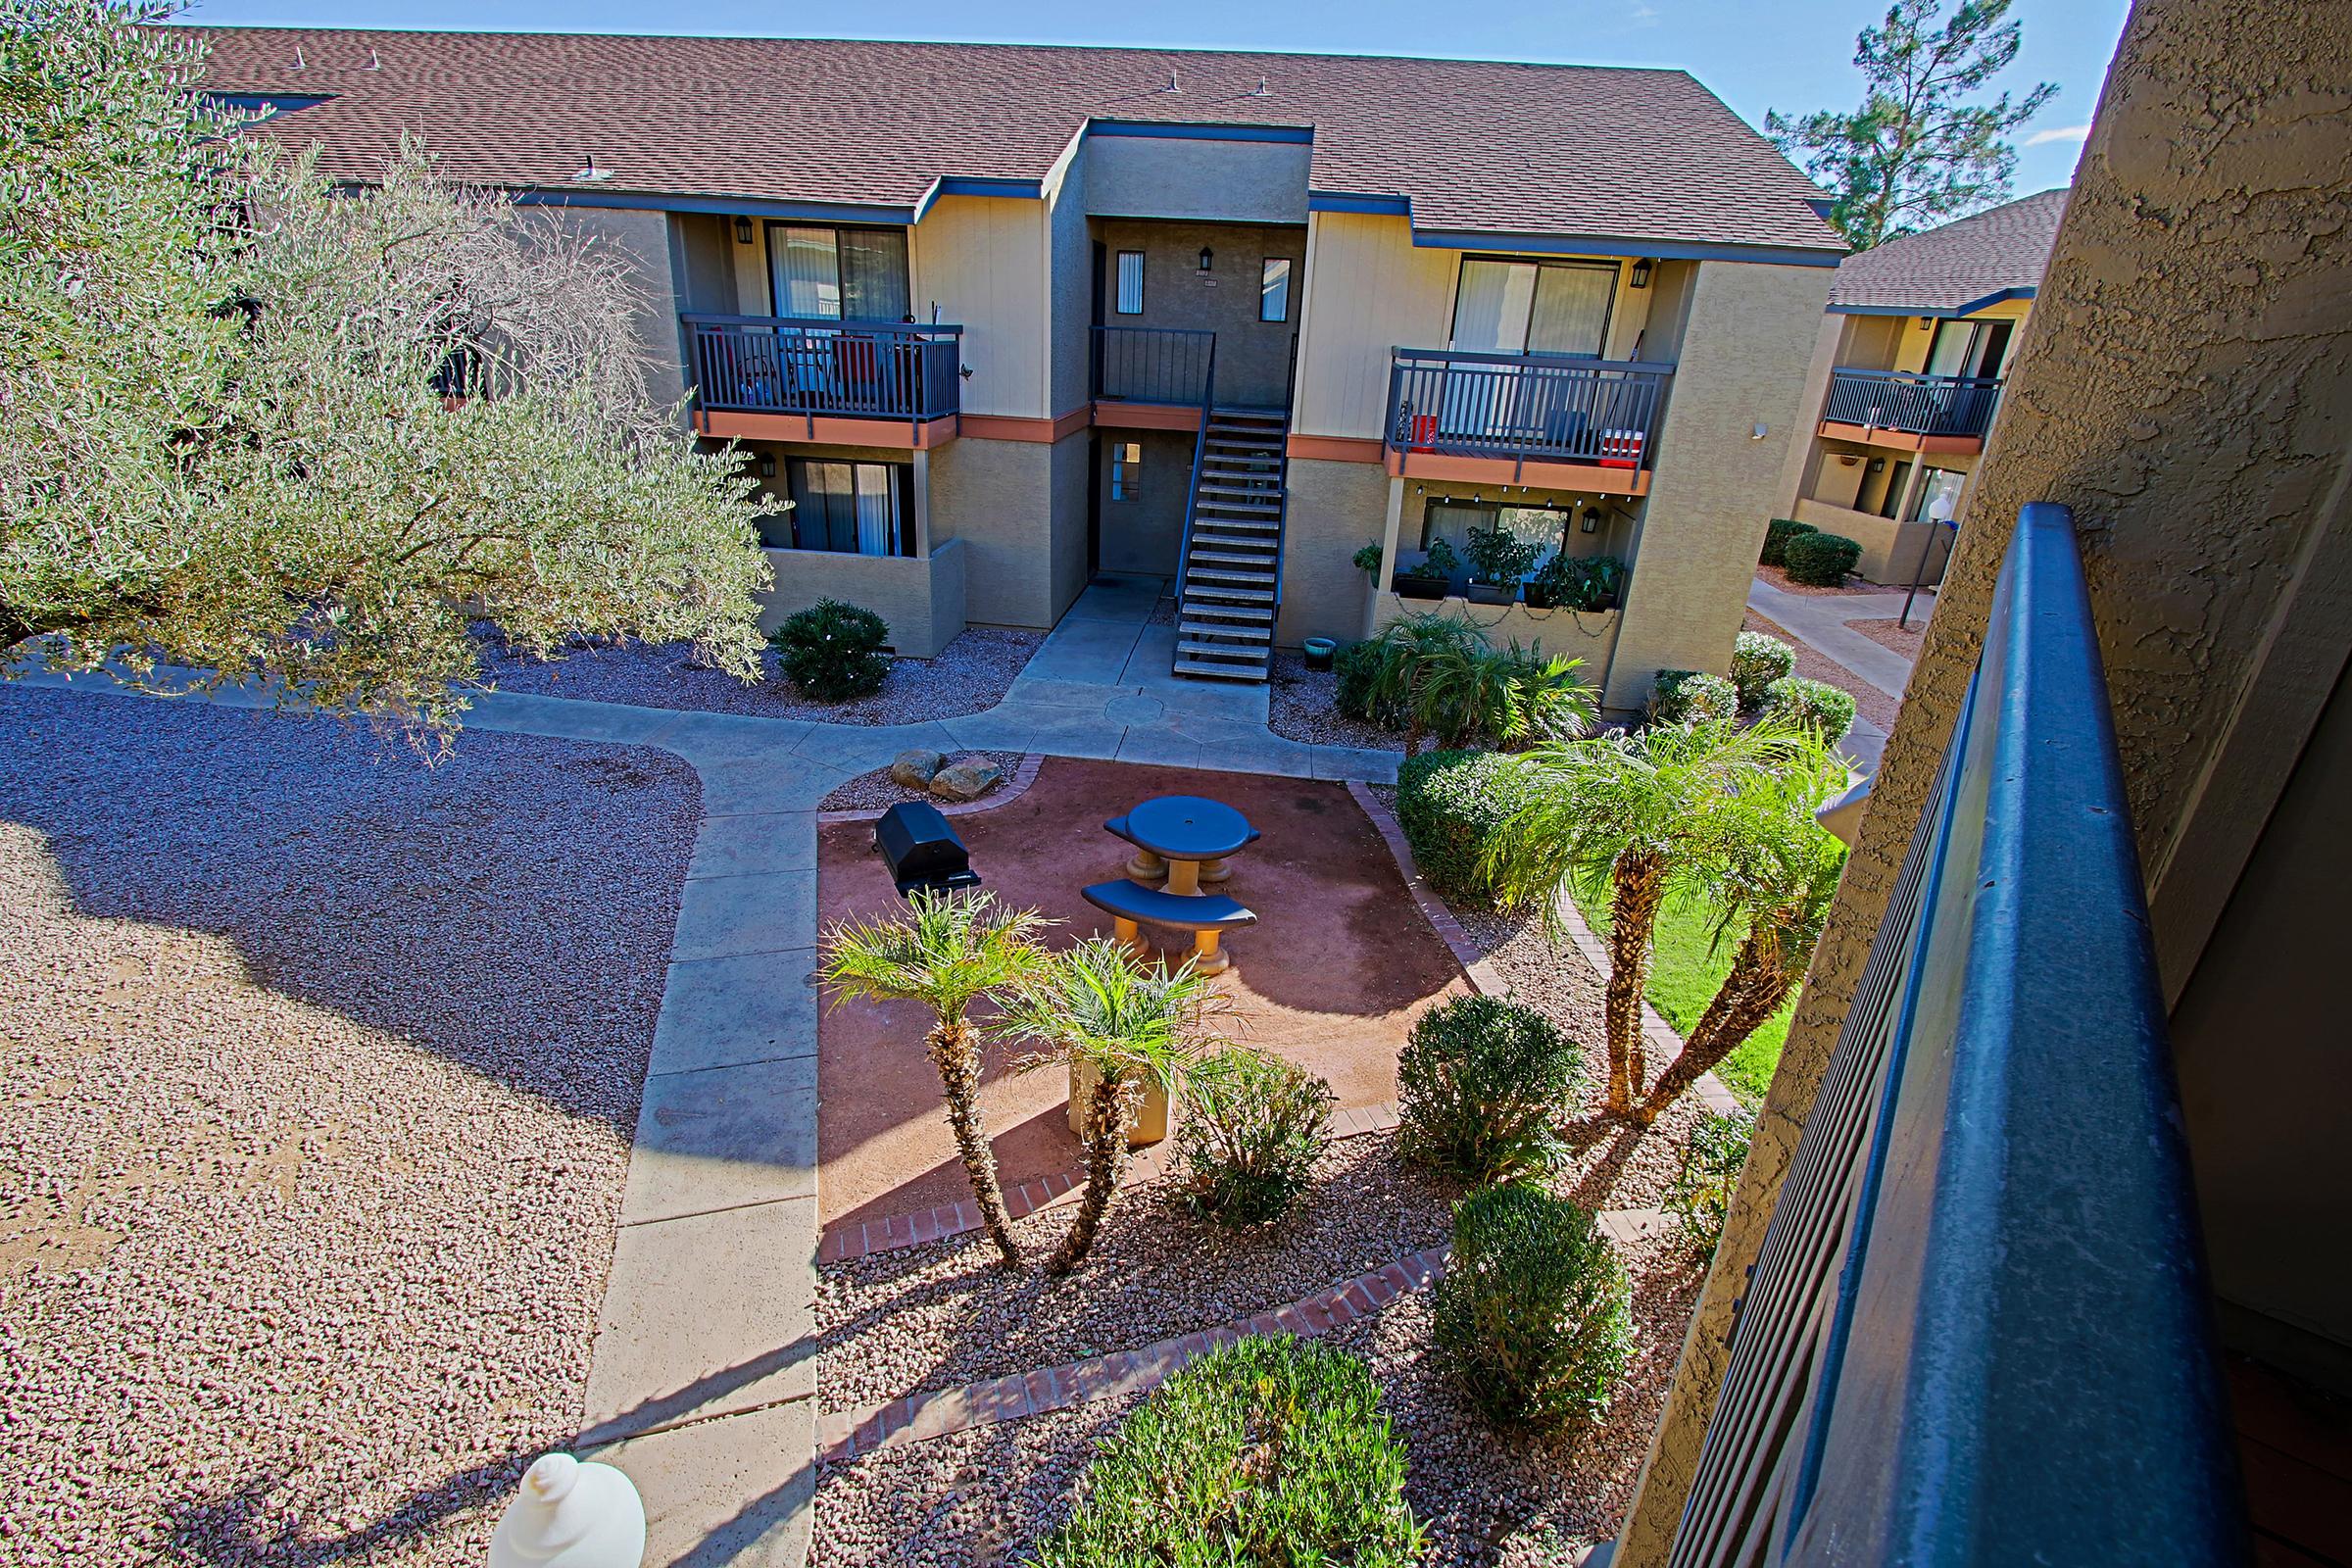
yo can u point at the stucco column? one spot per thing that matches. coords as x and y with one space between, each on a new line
2179 386
1747 348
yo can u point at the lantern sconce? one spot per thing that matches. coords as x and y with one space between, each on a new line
1877 465
1640 277
1207 258
1592 520
743 229
767 464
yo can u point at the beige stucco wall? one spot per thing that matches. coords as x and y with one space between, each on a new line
1182 177
1336 509
921 598
1589 635
1142 533
1068 476
641 242
1890 550
984 261
1070 282
1253 357
1368 290
2183 387
997 497
1746 350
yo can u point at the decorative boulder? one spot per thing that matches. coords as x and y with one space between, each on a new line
915 770
967 780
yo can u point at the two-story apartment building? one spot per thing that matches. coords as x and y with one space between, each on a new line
998 317
1906 376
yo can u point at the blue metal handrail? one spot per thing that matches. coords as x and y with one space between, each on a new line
1914 404
818 366
1168 365
2018 1362
1548 406
1191 498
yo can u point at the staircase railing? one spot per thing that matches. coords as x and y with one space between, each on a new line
1191 498
1170 365
1978 1331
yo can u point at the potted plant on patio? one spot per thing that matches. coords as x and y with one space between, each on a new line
1576 582
1427 578
1498 559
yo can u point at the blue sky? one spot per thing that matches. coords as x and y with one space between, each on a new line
1791 55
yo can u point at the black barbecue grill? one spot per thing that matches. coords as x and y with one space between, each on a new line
922 852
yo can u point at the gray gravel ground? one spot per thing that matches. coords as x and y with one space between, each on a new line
1299 705
940 1316
969 677
320 1067
872 792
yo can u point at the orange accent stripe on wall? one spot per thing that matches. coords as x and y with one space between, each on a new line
1145 417
1022 427
1584 476
1899 440
1335 448
825 429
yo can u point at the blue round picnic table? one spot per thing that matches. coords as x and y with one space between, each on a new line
1193 834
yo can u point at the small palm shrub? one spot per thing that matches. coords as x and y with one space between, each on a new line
1270 1451
1757 661
1450 805
832 652
1504 696
1701 1195
1534 1314
1479 1083
1357 666
1811 705
1821 560
1687 697
1253 1127
1777 534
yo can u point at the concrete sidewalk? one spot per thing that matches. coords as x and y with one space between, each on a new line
1819 620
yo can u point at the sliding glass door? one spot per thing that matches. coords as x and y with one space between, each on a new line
862 509
855 274
1532 307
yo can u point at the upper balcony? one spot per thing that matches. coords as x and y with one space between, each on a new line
1549 419
1914 412
810 378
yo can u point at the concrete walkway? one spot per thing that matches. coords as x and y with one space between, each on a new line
701 1386
1820 621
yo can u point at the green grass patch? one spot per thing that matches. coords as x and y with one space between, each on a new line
1684 976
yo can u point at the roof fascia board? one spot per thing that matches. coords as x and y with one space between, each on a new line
1349 201
1200 131
1940 311
1999 297
1595 245
726 206
1004 188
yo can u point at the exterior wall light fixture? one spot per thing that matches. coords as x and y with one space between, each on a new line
767 464
1207 258
1877 466
743 229
1640 277
1591 523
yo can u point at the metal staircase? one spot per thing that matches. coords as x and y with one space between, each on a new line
1230 581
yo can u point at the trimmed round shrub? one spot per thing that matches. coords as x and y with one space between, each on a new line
1686 696
1253 1127
1534 1313
1701 1194
1450 805
1812 704
1777 534
1478 1084
1269 1451
832 652
1821 560
1757 661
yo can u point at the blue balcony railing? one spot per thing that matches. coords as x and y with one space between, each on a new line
1978 1330
1546 406
811 366
1915 405
1153 364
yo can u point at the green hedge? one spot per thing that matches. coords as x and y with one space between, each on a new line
1270 1450
1535 1312
1253 1127
1777 534
1479 1084
1821 560
1450 805
1811 705
1757 661
832 652
1687 697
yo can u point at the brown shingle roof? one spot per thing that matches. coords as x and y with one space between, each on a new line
1494 148
1964 263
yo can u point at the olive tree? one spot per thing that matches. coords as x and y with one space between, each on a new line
256 425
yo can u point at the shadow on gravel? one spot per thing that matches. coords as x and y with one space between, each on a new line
508 908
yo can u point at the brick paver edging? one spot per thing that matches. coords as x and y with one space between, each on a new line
1663 1040
1023 775
864 1238
919 1417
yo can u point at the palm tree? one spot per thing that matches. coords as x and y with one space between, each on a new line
1507 696
1133 1027
1414 652
946 952
1779 882
1633 814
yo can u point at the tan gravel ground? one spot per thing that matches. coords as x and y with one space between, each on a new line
1869 702
940 1315
1299 707
1777 577
1889 634
875 791
318 1066
970 675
